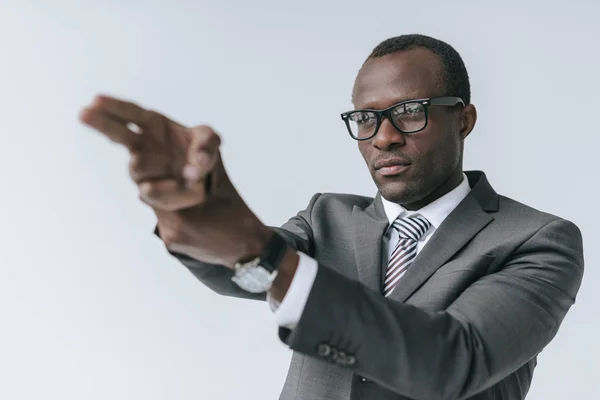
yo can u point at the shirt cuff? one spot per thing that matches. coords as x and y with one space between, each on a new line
288 313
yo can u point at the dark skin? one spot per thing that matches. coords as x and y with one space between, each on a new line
172 164
435 153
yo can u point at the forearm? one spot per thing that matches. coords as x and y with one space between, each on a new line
217 278
214 276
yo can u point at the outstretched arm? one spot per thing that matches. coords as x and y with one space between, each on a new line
297 232
180 174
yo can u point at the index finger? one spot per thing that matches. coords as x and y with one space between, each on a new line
121 109
114 129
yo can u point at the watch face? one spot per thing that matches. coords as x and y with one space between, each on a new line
253 278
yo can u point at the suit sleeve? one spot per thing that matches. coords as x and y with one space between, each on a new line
298 234
498 324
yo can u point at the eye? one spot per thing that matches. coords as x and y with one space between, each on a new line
409 110
363 118
414 108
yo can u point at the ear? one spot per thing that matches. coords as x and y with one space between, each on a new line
468 118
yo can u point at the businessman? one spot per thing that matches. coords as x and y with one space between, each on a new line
436 288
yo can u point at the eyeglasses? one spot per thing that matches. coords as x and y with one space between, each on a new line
410 116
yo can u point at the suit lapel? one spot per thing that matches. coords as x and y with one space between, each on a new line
464 222
368 228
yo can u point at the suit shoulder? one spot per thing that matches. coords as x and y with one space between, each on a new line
525 214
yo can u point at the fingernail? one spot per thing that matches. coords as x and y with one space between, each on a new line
134 128
191 172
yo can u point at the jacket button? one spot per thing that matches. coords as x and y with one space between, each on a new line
323 350
364 380
340 358
344 359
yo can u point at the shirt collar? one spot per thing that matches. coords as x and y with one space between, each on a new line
436 211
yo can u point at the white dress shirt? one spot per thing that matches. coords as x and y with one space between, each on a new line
290 310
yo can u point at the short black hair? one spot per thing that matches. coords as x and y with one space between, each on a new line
455 76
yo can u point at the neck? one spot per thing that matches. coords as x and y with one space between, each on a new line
446 187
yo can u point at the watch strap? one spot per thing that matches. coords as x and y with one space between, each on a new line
273 253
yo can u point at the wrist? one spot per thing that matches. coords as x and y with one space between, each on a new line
285 275
256 273
256 244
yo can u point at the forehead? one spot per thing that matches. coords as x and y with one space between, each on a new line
403 75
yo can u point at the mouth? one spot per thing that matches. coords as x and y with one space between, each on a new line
391 166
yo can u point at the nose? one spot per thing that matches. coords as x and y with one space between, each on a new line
388 136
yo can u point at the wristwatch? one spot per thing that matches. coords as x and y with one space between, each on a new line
257 276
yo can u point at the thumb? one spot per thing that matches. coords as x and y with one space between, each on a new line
202 154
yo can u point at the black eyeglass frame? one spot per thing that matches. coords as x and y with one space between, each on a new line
448 101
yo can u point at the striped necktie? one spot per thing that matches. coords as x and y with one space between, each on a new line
410 230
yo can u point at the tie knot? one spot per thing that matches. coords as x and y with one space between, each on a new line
413 227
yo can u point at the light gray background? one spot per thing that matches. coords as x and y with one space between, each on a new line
92 307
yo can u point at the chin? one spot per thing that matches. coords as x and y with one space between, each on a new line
399 192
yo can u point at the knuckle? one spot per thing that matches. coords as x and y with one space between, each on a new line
205 129
135 176
149 190
135 163
206 135
172 236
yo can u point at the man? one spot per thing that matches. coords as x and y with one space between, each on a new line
437 288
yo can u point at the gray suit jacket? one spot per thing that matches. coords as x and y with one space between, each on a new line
484 296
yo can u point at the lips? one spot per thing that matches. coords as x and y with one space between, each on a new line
391 162
392 166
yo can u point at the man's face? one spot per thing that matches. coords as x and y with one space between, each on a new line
433 155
